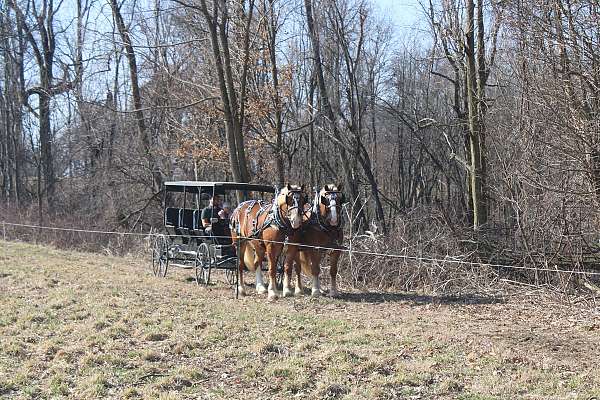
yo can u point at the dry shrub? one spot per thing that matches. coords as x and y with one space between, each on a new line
421 252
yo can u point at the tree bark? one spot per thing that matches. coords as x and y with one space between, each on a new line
475 88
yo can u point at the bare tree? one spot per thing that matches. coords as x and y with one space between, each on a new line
463 43
137 99
36 20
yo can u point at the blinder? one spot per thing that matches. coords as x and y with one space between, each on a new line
336 195
296 196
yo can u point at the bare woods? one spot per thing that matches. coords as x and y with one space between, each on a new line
475 135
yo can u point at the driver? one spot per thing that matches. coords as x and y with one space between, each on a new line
212 211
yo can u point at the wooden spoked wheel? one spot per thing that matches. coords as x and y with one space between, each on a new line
230 276
160 259
203 264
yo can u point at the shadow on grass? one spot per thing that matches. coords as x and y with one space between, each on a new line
417 299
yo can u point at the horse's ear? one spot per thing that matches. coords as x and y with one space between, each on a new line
302 187
288 187
323 200
340 187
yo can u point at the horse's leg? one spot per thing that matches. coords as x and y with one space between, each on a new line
333 267
290 256
272 253
315 261
259 256
299 289
241 290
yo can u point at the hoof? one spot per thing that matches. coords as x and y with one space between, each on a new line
241 291
315 293
299 292
333 293
273 295
287 292
260 289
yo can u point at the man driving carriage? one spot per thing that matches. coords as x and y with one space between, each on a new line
212 211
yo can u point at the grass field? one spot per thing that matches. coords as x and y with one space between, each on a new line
82 326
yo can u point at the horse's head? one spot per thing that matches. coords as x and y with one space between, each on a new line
291 201
330 200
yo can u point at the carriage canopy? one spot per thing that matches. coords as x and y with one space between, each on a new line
210 188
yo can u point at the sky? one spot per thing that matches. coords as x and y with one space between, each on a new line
404 14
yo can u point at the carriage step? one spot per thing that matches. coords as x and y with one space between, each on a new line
183 266
188 252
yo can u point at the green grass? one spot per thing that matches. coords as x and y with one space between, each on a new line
84 326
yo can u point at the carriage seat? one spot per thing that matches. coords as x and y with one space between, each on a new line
172 220
186 220
172 224
188 226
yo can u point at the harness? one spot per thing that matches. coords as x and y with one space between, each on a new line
273 218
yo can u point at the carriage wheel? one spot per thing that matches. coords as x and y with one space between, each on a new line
160 260
203 264
230 276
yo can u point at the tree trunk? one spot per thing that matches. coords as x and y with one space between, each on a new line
272 33
231 109
137 98
476 138
351 183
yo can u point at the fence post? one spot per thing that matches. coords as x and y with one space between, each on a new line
238 248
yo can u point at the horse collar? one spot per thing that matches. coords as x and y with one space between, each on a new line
278 221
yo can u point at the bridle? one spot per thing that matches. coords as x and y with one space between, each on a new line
297 199
321 221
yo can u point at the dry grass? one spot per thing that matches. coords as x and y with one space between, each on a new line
82 326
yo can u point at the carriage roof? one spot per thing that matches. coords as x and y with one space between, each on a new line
215 187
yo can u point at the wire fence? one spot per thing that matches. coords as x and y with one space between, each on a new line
433 261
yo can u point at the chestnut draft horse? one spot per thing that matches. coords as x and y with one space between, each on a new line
324 229
261 228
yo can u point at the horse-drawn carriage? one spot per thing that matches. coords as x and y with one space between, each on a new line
188 244
203 241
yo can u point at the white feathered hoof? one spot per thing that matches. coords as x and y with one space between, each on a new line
261 289
298 291
287 292
315 293
273 295
241 291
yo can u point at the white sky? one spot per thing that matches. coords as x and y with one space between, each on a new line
404 14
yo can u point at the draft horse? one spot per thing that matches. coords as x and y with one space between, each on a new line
323 230
261 228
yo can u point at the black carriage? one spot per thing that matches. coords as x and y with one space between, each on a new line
186 243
